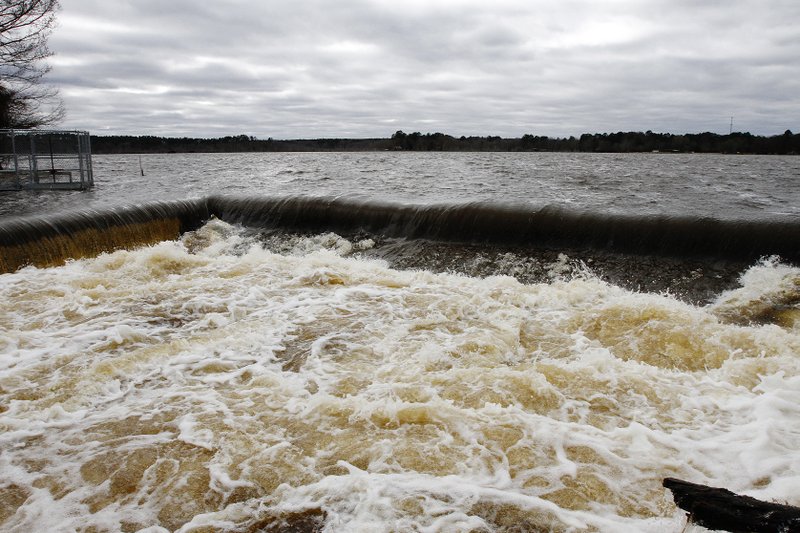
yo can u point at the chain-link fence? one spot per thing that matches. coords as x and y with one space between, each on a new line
42 159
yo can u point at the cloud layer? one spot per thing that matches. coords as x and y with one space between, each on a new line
366 68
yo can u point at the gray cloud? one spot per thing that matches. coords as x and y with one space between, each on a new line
369 67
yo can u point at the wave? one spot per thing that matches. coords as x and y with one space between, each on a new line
49 240
520 224
45 240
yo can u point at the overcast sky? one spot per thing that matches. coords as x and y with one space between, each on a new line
367 68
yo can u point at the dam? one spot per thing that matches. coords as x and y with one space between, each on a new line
251 361
52 239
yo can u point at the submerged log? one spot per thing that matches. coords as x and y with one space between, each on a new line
717 508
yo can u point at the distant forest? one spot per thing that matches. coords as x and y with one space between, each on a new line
745 143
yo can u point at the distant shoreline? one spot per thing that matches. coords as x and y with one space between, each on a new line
622 142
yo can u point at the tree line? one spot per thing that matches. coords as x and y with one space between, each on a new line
125 144
745 143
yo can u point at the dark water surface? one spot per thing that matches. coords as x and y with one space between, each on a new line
717 186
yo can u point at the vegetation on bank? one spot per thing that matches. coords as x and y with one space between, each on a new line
746 143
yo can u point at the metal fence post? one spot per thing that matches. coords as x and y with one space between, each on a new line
33 166
80 160
16 159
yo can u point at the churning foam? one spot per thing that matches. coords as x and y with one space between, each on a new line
222 382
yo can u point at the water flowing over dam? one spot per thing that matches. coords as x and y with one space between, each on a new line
51 240
235 362
45 240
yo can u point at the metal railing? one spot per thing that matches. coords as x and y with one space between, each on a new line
45 159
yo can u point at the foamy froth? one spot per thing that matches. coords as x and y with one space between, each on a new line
226 382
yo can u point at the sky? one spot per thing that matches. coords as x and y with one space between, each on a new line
291 69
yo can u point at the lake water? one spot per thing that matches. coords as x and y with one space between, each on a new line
242 379
727 186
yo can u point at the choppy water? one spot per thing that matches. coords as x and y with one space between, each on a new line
726 186
241 380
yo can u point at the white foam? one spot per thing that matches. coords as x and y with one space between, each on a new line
233 384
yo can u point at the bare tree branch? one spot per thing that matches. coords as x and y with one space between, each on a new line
25 101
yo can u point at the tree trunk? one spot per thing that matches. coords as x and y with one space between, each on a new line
717 508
